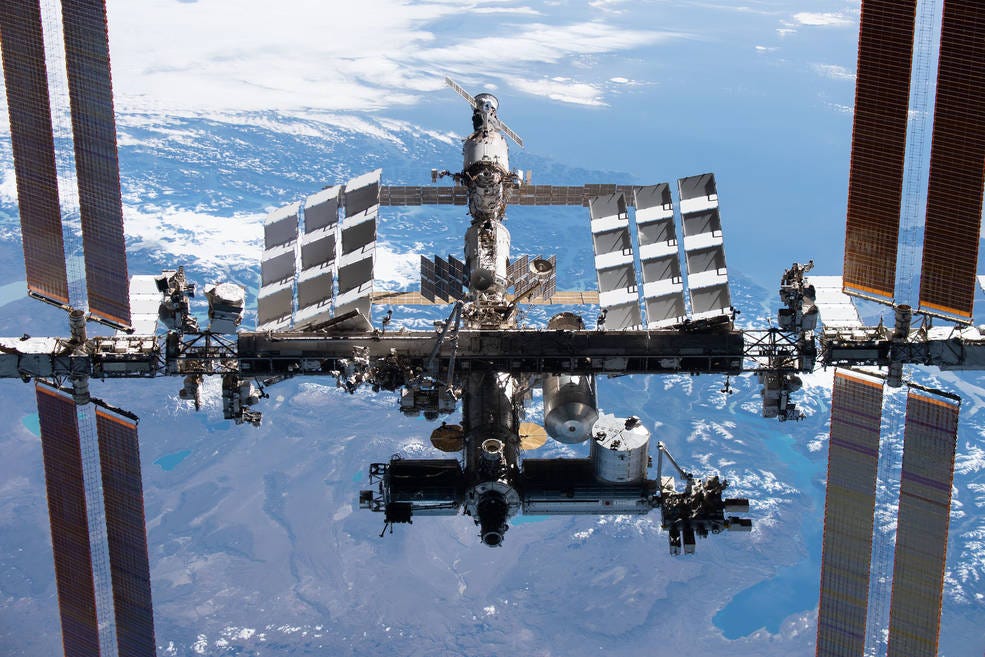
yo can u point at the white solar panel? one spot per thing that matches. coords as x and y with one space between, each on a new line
321 209
660 266
704 249
355 281
299 277
614 261
314 297
281 226
278 264
362 194
318 249
275 304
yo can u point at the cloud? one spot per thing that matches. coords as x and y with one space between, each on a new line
823 19
234 55
217 244
527 11
833 71
563 90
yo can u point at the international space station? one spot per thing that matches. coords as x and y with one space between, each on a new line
663 306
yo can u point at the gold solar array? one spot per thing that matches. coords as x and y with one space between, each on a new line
921 534
853 455
26 77
123 495
875 185
69 522
957 164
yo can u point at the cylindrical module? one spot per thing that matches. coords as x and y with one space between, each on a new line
486 148
486 169
620 449
489 418
570 408
487 247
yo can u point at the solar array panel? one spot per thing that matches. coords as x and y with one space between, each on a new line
123 495
516 269
660 264
318 257
97 165
458 277
522 274
417 195
704 248
853 454
921 532
565 195
428 282
321 209
26 78
443 280
614 264
67 512
523 195
957 165
278 267
875 186
358 238
548 287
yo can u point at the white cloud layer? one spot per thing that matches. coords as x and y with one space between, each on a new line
560 89
823 19
248 54
833 71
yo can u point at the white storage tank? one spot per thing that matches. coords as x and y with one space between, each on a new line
620 449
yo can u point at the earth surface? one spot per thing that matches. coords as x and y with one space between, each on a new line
229 109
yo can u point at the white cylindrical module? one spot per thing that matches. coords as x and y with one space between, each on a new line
570 409
487 246
489 147
620 449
